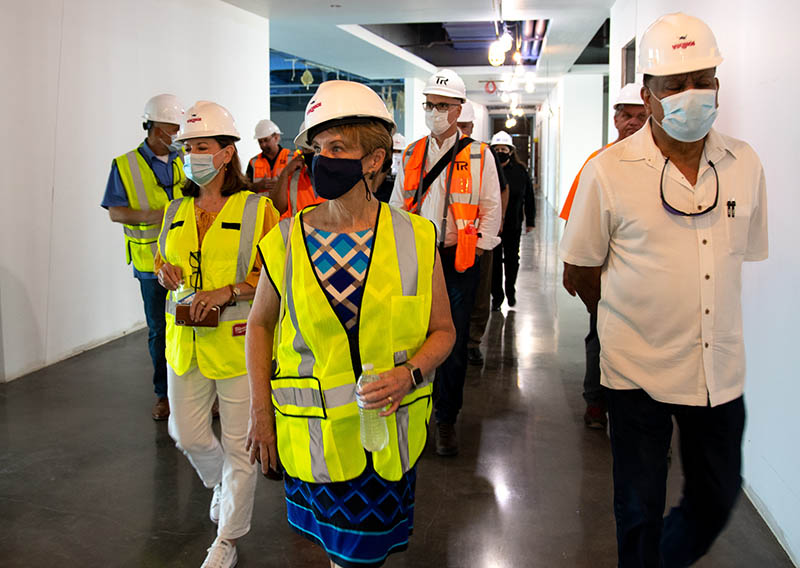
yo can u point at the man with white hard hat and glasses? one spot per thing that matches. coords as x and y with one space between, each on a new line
629 116
663 220
141 184
452 180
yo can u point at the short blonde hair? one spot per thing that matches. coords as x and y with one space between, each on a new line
369 136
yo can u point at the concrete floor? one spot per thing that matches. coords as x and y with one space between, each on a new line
88 479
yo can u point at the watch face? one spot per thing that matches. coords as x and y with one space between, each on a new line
418 378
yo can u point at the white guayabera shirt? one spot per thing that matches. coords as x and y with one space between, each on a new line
670 317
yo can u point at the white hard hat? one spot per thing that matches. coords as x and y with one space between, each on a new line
163 108
467 113
447 83
206 119
266 128
341 102
502 138
677 43
398 141
630 94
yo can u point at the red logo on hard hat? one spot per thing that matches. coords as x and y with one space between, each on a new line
682 43
313 108
196 119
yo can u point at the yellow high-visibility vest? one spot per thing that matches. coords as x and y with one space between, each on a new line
313 390
227 256
144 193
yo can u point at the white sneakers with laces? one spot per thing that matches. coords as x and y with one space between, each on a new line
213 510
222 554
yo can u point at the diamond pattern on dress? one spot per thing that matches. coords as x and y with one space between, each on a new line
340 261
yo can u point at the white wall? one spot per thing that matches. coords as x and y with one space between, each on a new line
415 116
760 82
572 128
76 76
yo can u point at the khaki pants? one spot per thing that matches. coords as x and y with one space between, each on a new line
480 310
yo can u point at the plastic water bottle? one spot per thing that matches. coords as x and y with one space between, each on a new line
374 432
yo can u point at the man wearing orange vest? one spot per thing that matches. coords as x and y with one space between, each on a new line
294 190
629 116
263 169
452 180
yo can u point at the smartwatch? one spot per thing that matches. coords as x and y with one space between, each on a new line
416 374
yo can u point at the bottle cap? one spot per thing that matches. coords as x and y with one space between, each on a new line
367 367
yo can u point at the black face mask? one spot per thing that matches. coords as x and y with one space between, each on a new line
308 158
504 158
333 177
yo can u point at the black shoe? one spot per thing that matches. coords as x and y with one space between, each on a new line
512 300
474 356
446 442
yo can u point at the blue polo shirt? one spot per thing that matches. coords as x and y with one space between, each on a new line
115 195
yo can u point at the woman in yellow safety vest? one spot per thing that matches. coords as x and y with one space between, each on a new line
208 260
350 282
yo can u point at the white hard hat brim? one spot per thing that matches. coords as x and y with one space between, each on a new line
682 67
305 136
443 93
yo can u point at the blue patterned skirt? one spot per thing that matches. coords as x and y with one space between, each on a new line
358 522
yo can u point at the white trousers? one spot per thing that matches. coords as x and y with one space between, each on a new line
190 398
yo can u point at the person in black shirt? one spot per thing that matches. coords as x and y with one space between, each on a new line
521 206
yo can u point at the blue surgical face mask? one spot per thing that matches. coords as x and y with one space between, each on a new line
200 168
176 145
688 115
333 177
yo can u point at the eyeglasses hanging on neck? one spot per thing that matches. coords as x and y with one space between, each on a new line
196 278
675 210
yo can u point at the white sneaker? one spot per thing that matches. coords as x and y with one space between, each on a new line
222 554
213 510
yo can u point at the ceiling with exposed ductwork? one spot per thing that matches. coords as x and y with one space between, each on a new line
378 40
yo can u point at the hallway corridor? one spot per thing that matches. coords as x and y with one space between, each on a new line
88 479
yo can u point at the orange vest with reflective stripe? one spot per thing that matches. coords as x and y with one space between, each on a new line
464 180
262 169
300 193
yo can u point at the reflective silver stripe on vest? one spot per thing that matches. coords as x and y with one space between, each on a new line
294 189
475 171
319 469
307 359
284 228
305 398
132 233
169 217
401 416
138 184
247 236
406 246
238 311
340 396
400 357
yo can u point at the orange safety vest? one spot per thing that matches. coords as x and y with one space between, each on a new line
464 174
300 193
567 208
262 169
